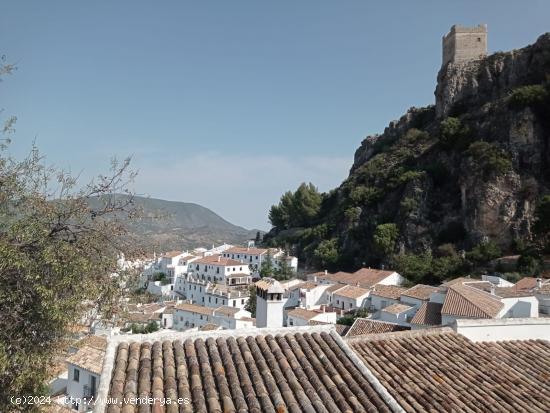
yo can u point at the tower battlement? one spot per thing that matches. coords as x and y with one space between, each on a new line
462 44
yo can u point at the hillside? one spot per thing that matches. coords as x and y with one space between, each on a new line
445 187
166 225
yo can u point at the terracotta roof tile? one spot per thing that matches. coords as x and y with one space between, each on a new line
445 372
397 308
245 250
420 292
388 291
88 358
429 314
467 301
194 308
303 313
350 291
365 277
363 326
293 372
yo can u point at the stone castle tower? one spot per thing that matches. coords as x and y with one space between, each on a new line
462 44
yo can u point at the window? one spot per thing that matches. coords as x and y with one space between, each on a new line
76 375
218 270
350 305
216 301
242 301
234 303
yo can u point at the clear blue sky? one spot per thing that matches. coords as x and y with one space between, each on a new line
229 103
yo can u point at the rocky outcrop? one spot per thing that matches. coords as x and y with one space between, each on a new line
482 184
491 78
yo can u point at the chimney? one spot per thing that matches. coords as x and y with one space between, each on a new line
492 289
219 258
539 283
315 278
326 272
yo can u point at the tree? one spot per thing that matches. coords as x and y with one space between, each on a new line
384 237
326 253
542 221
56 251
258 237
267 269
296 209
251 303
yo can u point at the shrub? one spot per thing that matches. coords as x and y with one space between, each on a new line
326 253
484 252
452 134
385 237
531 95
489 159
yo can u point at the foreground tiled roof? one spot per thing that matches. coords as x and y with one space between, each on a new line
445 372
88 358
466 301
362 326
296 372
429 314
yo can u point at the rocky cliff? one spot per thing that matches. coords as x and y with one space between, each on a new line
467 170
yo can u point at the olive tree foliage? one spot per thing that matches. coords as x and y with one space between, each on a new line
57 254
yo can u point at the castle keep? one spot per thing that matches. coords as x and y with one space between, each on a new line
464 43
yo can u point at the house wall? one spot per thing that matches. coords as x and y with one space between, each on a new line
519 307
415 302
155 287
544 303
504 329
378 303
75 390
393 279
167 321
402 318
349 304
184 320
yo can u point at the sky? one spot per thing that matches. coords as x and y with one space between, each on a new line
229 103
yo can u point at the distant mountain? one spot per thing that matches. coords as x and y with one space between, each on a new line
165 225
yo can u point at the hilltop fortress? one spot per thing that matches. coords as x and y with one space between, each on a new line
463 44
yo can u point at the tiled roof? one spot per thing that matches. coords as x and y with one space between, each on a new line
365 277
350 291
397 308
225 310
294 372
194 308
307 285
459 280
172 254
341 329
217 260
88 358
245 250
335 287
420 292
209 327
526 283
429 314
388 291
98 342
442 371
467 301
303 313
362 326
271 285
